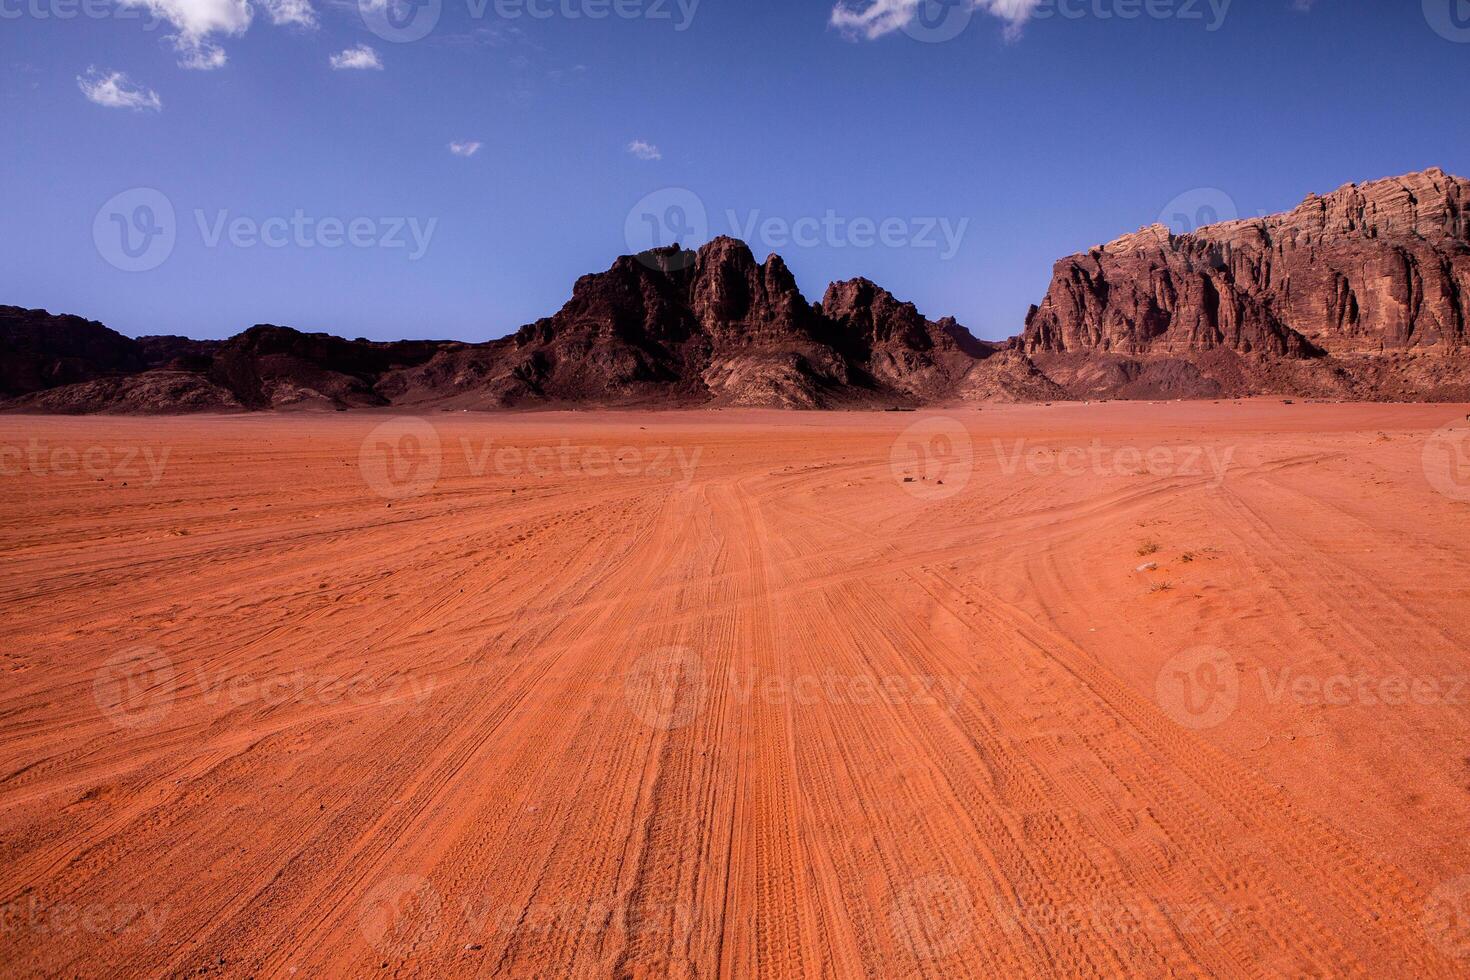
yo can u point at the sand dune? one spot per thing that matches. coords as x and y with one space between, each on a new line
738 694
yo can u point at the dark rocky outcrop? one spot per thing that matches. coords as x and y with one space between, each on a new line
40 351
706 327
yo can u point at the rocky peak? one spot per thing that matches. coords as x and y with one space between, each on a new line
875 315
731 296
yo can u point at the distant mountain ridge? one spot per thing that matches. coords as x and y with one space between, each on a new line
1360 294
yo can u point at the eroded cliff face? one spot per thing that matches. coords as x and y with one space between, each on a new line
1370 268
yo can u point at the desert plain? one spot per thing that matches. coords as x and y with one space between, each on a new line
1175 689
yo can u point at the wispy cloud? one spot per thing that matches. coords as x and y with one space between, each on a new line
875 18
290 13
115 90
466 149
644 150
361 57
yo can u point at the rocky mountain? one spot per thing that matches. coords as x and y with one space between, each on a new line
706 327
1337 297
1361 294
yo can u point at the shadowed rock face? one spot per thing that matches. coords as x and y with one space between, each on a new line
896 346
1383 266
708 327
266 367
40 351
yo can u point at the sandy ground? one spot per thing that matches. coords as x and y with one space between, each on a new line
723 695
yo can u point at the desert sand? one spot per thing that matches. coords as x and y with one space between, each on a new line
1071 690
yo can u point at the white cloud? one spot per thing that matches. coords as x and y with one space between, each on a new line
115 90
200 22
197 21
644 150
882 17
362 57
466 149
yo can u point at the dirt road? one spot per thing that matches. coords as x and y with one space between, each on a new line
1157 690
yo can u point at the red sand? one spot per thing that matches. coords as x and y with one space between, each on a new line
720 694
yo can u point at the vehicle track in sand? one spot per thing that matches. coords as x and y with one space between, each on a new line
783 715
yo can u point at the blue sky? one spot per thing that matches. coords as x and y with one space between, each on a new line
953 169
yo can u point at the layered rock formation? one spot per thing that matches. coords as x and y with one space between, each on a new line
1379 270
1378 267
